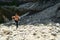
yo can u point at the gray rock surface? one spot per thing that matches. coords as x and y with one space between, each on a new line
40 11
31 6
45 16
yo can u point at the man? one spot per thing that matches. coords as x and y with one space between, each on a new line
16 19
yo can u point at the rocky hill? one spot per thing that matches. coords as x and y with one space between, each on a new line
24 6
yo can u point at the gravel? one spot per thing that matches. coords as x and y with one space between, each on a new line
30 32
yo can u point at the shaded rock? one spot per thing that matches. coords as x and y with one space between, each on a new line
32 6
53 34
43 10
58 12
57 24
45 16
38 37
52 39
27 0
5 0
34 34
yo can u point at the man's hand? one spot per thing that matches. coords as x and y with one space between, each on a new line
13 17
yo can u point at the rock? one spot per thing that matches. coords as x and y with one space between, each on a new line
47 14
5 1
57 24
29 6
27 0
34 34
42 17
58 13
53 34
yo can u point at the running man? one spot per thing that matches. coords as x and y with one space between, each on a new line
16 19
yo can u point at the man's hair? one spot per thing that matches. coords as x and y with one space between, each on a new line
17 12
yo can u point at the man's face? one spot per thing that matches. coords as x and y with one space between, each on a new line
16 14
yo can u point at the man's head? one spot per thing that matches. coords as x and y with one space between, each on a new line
17 14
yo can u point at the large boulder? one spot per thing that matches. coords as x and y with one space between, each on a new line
28 6
50 12
45 16
5 0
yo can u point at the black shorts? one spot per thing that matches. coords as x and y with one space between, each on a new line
16 21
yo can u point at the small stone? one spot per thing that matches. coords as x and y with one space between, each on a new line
38 37
50 29
52 39
57 24
53 34
50 24
34 34
43 32
58 30
41 24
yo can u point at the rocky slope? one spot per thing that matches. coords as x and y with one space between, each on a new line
46 16
50 14
24 6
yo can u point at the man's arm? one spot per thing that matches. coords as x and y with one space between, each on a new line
13 17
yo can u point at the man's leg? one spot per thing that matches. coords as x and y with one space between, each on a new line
16 24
